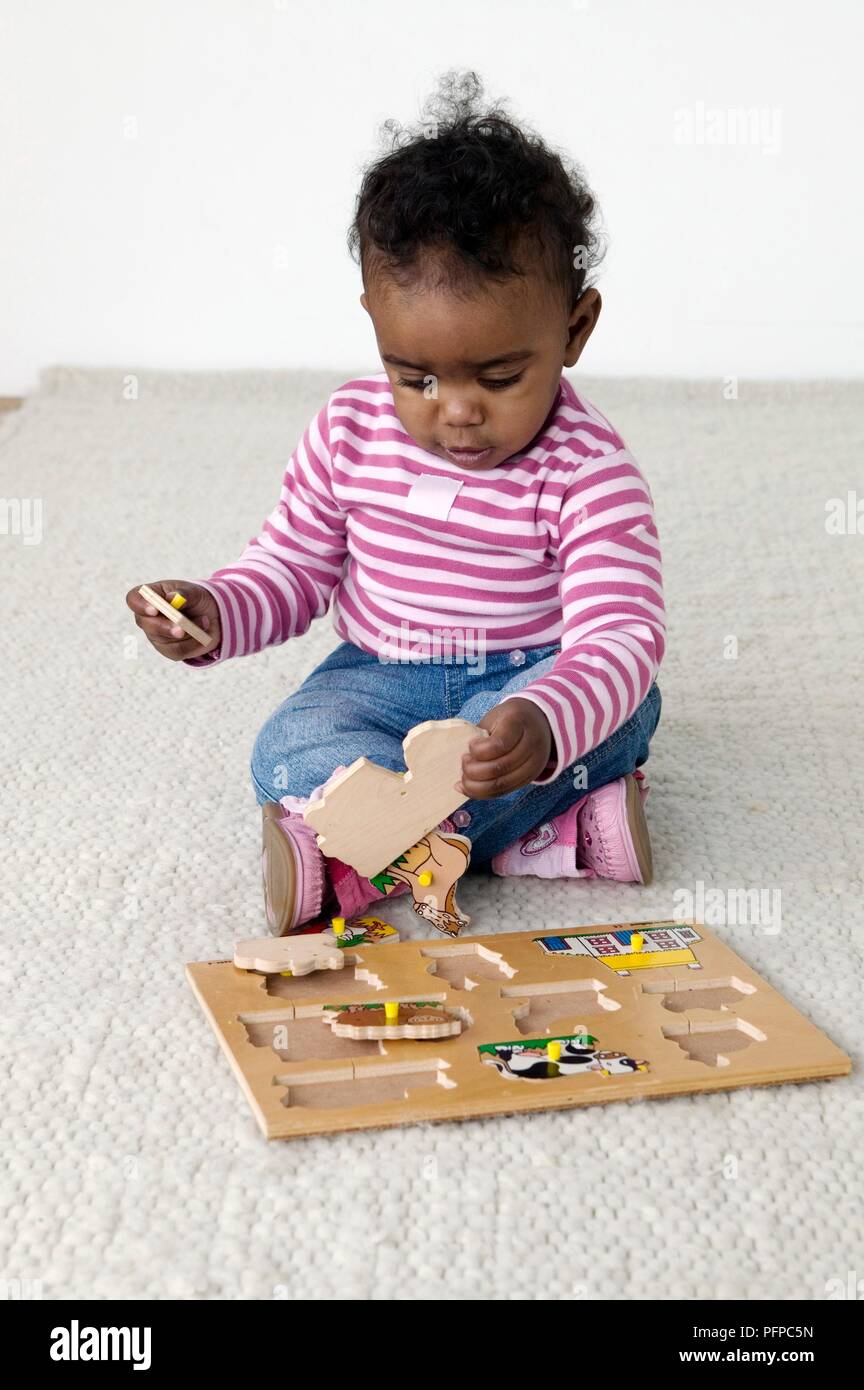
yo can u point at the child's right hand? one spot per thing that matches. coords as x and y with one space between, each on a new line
169 639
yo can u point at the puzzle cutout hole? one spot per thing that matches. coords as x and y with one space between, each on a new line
306 1040
711 1043
340 986
463 966
700 994
540 1007
347 1093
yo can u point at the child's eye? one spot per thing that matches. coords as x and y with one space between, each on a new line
498 384
416 383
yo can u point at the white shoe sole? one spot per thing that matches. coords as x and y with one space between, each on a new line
279 872
638 829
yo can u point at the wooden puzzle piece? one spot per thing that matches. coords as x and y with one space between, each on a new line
625 949
362 931
368 816
546 1059
288 955
170 610
417 1019
432 868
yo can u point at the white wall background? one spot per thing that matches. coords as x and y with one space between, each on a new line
178 175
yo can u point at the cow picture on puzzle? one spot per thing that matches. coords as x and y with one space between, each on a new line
546 1059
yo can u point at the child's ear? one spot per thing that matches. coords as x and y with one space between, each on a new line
583 320
364 301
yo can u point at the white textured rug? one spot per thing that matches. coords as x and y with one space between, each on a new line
131 1164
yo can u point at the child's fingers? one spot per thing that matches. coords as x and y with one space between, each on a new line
167 638
167 635
180 650
495 746
503 779
159 629
503 737
493 757
506 779
142 608
197 599
138 603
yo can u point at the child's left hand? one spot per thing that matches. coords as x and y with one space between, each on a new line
517 750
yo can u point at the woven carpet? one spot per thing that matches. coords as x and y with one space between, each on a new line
131 1164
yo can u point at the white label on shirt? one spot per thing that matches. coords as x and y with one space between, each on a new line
432 496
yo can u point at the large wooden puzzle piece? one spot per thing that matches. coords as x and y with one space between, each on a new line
552 1021
368 816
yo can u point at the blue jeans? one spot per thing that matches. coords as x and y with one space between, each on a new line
353 706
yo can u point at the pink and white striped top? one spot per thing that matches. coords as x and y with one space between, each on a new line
557 544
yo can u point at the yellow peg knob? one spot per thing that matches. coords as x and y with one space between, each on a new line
178 601
424 879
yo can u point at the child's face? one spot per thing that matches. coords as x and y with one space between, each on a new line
475 401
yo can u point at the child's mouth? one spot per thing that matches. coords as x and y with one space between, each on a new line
467 455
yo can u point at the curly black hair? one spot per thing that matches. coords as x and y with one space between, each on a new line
483 193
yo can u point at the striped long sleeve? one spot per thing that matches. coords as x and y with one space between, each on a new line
613 635
286 575
557 544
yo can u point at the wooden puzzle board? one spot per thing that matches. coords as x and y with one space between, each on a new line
685 1007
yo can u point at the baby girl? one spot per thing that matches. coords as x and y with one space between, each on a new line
482 534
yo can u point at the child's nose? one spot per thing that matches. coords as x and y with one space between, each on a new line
460 409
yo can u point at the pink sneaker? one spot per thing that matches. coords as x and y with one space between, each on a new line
549 851
292 866
613 833
602 836
297 876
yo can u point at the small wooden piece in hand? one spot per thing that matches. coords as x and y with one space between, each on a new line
179 619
